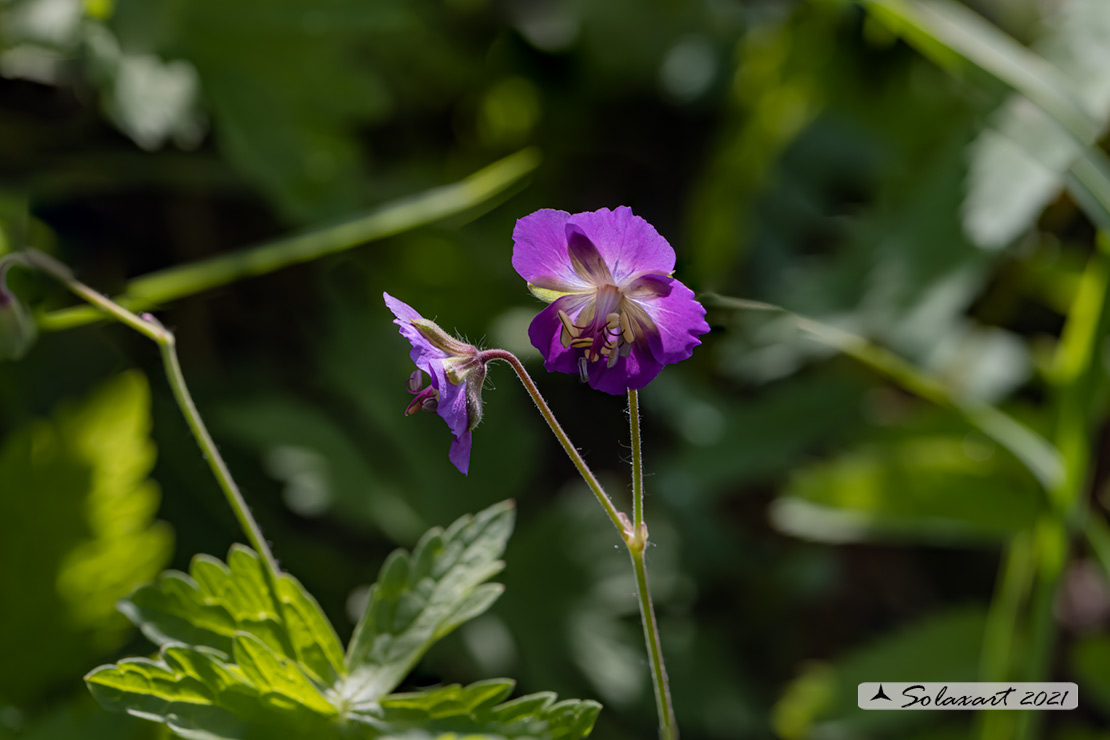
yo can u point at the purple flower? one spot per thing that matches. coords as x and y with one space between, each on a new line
456 373
616 315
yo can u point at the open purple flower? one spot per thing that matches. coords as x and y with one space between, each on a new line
616 315
457 374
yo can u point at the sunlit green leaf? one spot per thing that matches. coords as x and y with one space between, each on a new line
210 607
77 533
419 598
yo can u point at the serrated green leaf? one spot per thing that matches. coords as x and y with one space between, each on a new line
449 701
215 602
420 598
256 670
939 489
200 696
457 712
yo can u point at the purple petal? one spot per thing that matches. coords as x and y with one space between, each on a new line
649 287
540 251
459 453
680 320
452 403
422 349
628 244
634 371
585 258
546 329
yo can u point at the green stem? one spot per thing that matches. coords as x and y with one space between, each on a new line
634 535
161 287
668 730
149 327
637 544
620 521
637 461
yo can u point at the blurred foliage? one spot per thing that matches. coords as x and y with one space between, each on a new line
813 524
77 533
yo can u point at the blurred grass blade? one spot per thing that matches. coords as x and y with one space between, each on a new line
167 285
940 27
1033 450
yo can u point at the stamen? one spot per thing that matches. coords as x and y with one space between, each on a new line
427 399
583 369
570 331
626 329
415 381
626 350
612 321
582 342
613 357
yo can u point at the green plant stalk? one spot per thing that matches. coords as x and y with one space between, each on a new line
634 535
620 520
637 544
1075 375
637 460
159 288
152 329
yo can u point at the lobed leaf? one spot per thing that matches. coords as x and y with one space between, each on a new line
419 598
237 665
215 602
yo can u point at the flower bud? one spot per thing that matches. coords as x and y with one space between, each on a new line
17 328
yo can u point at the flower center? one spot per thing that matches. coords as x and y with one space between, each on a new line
607 330
426 399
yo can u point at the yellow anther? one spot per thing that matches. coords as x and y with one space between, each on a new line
573 330
582 342
570 332
613 320
612 359
626 328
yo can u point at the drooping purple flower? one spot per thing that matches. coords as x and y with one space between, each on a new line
616 315
457 374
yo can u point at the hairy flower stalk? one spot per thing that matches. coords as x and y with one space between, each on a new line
456 371
617 314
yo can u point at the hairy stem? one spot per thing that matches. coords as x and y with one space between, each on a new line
637 544
637 461
620 521
149 327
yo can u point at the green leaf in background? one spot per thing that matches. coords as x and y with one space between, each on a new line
285 84
1090 661
821 701
1017 167
420 598
940 489
216 603
77 533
